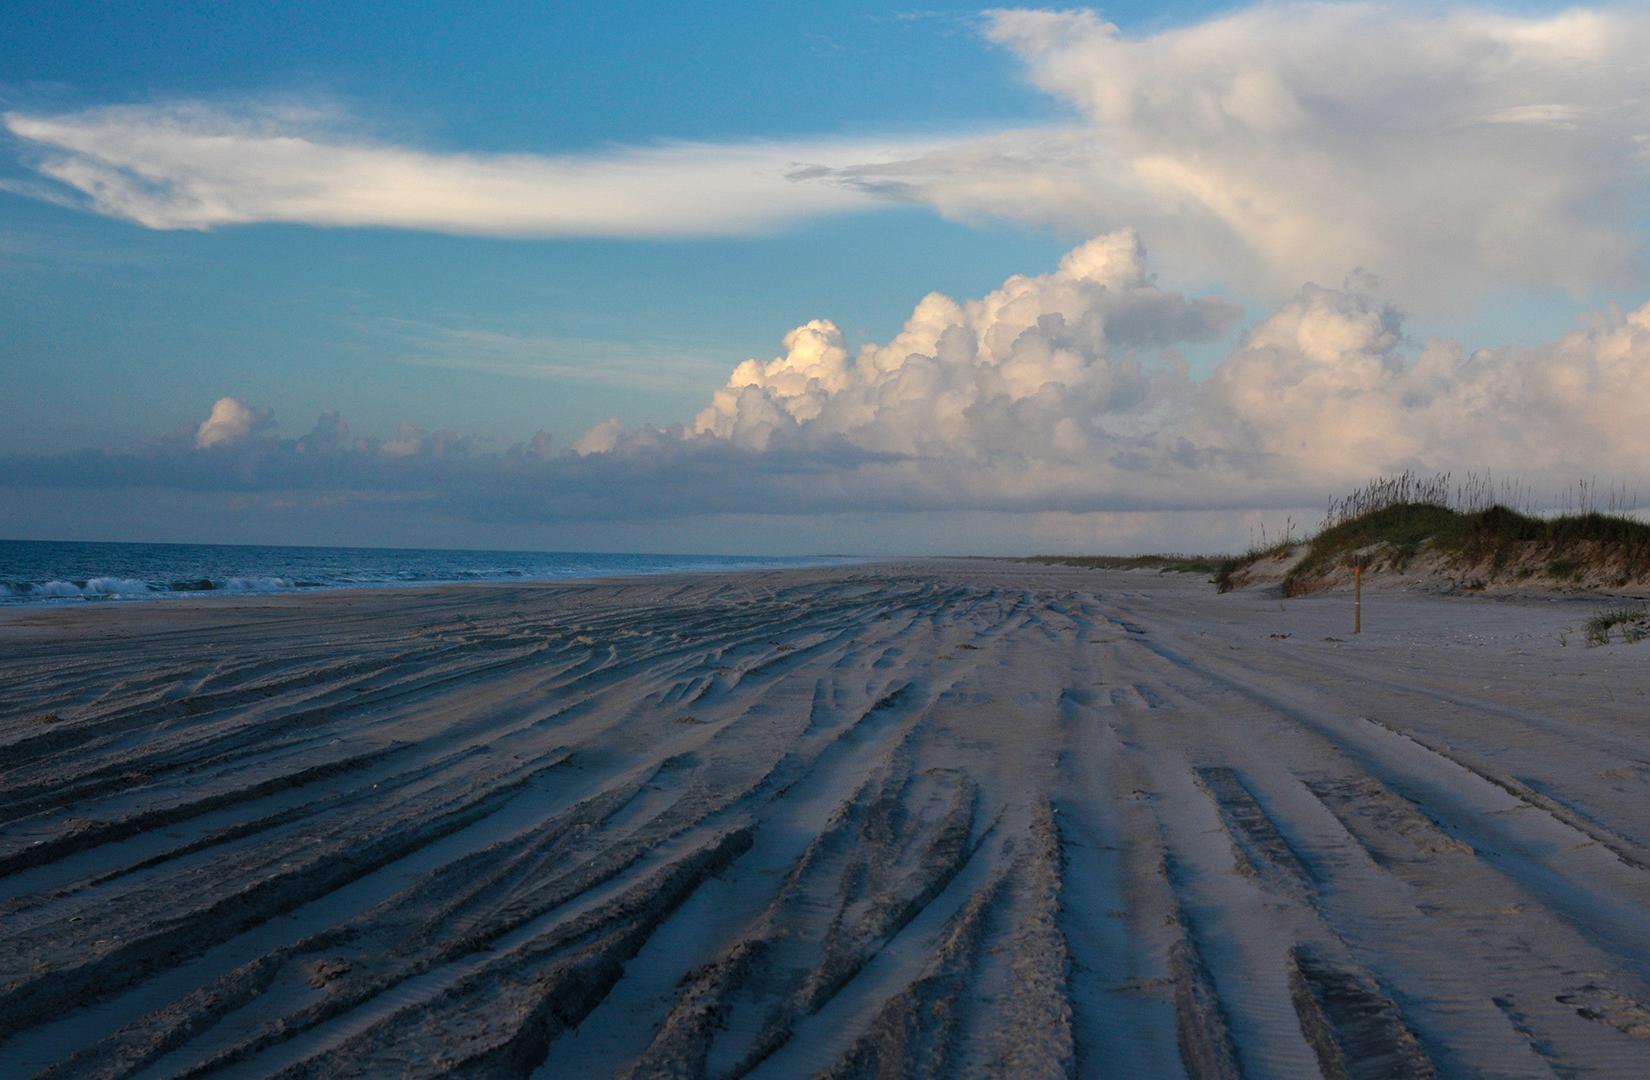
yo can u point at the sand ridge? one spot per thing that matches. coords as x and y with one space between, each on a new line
942 818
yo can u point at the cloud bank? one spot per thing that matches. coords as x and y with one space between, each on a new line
1059 393
1451 152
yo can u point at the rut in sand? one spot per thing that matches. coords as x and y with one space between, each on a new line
929 820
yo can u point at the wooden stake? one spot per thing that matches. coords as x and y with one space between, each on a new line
1357 599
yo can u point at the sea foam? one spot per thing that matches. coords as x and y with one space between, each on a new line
99 587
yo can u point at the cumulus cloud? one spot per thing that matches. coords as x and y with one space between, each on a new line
1324 389
1062 393
1056 393
197 166
1045 365
230 421
600 439
1053 395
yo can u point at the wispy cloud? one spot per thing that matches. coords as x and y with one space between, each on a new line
198 166
650 364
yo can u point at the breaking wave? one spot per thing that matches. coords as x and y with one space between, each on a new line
92 588
65 572
111 588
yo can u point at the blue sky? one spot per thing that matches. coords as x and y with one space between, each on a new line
102 312
124 325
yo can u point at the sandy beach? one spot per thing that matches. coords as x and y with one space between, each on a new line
946 818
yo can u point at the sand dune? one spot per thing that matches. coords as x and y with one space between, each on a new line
928 819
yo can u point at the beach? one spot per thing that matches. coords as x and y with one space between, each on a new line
927 818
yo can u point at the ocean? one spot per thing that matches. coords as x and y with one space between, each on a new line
49 571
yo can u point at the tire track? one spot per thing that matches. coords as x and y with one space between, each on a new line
940 819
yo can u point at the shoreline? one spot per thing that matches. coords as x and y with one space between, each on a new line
219 594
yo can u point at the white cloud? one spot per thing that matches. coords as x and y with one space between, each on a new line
1055 397
1321 137
1323 389
600 439
230 421
1043 364
1450 152
1055 393
197 166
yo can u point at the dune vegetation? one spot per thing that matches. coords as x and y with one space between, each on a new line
1163 564
1472 535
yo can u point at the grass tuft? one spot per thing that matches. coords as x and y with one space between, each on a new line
1631 621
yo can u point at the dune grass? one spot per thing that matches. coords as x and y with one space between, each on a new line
1630 621
1493 538
1390 521
1164 564
1494 530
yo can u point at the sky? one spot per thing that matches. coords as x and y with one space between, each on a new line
800 278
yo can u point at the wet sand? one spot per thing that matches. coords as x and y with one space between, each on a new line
926 819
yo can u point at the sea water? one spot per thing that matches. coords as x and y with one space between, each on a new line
47 571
